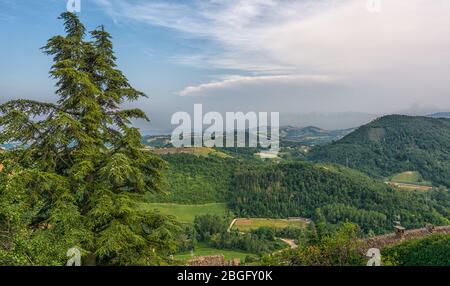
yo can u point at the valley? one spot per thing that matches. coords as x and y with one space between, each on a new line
281 198
224 133
277 202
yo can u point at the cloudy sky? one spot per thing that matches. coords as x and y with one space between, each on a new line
322 62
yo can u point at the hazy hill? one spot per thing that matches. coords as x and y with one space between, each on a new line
311 135
393 144
440 115
157 141
289 136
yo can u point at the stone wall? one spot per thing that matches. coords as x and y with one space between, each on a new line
398 237
215 260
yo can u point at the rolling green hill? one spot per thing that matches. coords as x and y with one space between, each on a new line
394 144
333 194
187 213
318 191
309 136
192 179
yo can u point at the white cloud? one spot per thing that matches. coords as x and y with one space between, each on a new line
400 55
292 35
233 82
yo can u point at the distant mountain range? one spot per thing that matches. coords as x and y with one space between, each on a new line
290 136
157 141
293 136
440 115
393 144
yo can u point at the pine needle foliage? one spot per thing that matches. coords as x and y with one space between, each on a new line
76 177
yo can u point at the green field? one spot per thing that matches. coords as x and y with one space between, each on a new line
198 151
410 181
408 177
246 225
187 213
204 250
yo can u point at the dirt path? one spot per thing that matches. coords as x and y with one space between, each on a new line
407 186
231 225
290 242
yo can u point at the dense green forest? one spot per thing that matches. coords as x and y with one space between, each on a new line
79 175
213 230
75 177
192 179
430 251
340 247
344 247
333 194
394 144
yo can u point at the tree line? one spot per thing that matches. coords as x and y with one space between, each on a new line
333 194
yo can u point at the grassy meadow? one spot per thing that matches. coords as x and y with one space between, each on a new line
246 225
187 213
